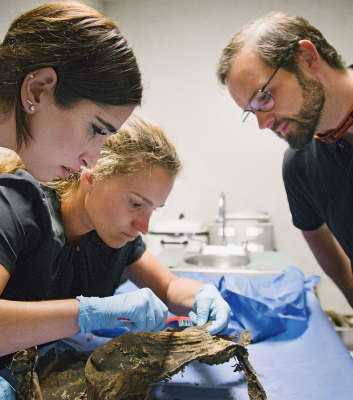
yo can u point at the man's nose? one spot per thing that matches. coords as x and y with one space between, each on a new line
265 119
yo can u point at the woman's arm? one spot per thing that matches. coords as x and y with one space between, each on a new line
181 295
177 293
26 324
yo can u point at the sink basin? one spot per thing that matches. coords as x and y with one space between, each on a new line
218 260
215 261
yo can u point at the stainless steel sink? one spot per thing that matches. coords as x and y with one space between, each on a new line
223 261
210 263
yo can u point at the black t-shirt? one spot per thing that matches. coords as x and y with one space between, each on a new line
319 185
42 264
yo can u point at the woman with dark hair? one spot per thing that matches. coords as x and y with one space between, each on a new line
68 80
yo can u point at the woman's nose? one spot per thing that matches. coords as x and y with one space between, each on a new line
89 158
142 222
265 119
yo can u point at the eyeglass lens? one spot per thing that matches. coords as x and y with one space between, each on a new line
262 101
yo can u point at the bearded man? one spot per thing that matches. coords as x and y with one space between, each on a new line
281 70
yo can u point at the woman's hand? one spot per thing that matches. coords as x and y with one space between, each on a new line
145 310
209 305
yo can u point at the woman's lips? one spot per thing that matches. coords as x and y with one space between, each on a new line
65 171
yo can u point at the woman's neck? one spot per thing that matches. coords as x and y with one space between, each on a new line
8 131
75 219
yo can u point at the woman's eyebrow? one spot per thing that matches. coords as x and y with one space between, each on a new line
107 125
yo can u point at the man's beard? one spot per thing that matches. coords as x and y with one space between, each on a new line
308 118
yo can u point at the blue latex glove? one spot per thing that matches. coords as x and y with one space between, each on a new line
7 392
209 305
146 311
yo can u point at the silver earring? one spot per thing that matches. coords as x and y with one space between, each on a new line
31 105
31 76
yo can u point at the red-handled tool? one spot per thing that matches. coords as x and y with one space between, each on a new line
182 321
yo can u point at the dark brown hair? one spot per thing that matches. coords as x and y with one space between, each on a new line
90 56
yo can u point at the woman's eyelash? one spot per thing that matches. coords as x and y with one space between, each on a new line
97 129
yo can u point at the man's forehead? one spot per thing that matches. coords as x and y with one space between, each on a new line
246 61
247 74
247 53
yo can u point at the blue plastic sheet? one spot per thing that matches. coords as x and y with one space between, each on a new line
263 305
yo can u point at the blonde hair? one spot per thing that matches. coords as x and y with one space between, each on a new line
10 163
139 144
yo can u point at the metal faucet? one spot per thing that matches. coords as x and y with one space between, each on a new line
222 216
244 243
190 236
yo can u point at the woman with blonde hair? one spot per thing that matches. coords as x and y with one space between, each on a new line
68 80
65 246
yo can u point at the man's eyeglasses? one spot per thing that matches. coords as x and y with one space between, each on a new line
261 100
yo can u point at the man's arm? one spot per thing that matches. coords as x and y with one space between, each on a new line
332 259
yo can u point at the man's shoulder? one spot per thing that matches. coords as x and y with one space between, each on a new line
301 157
293 158
304 151
301 162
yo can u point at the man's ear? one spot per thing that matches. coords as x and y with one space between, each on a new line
86 180
308 57
35 85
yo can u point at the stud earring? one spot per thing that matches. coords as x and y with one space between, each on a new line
31 105
31 76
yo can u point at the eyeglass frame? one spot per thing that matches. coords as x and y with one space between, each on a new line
263 91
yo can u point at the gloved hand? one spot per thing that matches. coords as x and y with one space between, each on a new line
7 392
209 305
146 311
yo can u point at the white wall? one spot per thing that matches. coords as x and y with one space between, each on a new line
178 44
10 9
